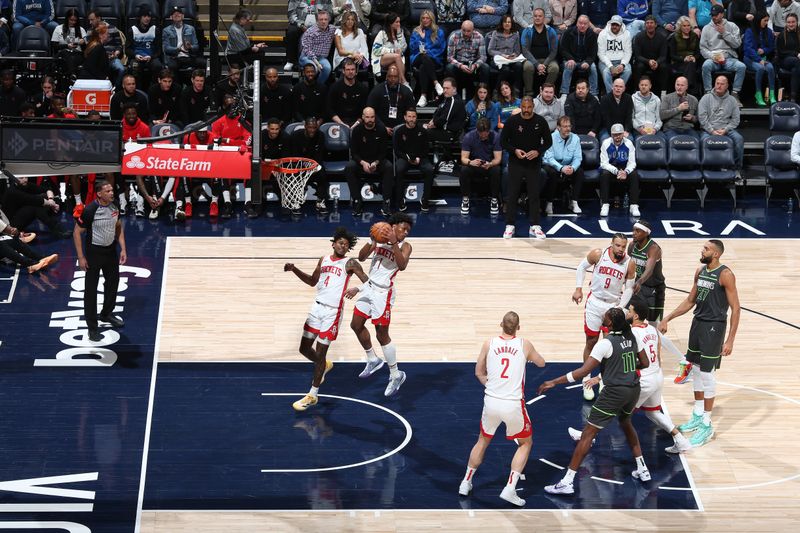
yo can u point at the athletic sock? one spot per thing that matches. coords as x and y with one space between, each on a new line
568 477
513 478
699 407
214 198
248 194
390 354
640 463
314 391
707 418
226 196
178 203
78 199
679 438
469 474
371 355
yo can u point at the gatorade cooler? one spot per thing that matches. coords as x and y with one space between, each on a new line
86 95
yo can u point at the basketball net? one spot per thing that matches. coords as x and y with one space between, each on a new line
292 174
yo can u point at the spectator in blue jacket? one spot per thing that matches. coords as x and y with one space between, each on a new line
539 46
486 14
667 12
598 11
562 163
482 106
33 13
633 13
759 48
427 47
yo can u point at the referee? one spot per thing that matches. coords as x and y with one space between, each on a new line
526 137
100 221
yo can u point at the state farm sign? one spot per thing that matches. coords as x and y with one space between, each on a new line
195 162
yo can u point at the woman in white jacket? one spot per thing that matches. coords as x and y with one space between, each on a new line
389 48
614 50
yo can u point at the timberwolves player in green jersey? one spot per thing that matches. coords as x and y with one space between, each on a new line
620 357
713 292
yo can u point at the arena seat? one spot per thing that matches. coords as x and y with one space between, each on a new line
62 6
162 130
683 161
337 147
719 166
784 117
778 164
111 11
188 6
290 128
651 153
132 11
34 41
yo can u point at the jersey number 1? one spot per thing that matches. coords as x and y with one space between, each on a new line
505 362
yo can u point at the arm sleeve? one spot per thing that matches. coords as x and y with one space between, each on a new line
626 293
580 272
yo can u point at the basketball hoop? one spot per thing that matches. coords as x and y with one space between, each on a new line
292 174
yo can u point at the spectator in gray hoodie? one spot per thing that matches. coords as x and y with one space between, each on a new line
719 45
679 111
548 106
719 115
646 109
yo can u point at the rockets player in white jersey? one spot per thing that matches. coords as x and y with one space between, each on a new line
377 298
501 369
330 279
611 285
651 378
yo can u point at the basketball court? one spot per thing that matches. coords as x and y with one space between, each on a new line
182 422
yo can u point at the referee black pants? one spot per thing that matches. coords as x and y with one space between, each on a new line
517 171
101 259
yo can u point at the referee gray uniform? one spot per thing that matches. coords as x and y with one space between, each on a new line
100 223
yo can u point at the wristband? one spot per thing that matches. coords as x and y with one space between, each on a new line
570 378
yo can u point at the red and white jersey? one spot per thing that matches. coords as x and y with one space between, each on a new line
384 266
608 278
505 364
647 338
333 280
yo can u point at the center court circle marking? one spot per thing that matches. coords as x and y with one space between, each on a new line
402 445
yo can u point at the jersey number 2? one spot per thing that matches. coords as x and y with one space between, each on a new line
505 362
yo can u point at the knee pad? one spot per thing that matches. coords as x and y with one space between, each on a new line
709 384
697 379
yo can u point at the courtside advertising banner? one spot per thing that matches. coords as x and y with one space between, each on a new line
171 160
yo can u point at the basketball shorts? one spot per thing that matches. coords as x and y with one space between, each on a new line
615 401
593 315
512 413
654 298
323 322
650 391
375 303
705 344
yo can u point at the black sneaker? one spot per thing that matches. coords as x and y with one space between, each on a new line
494 207
386 208
424 206
322 207
227 210
180 214
402 207
358 207
115 321
465 206
94 335
250 210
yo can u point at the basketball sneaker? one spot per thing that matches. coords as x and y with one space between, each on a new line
213 209
372 366
682 444
683 375
695 423
509 232
536 233
305 402
703 434
465 488
28 237
643 474
576 435
465 206
328 368
509 494
494 207
394 384
560 488
78 211
180 214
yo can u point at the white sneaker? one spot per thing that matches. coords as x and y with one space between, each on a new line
604 210
154 213
288 66
575 208
509 232
574 434
560 488
548 208
635 210
681 445
641 474
372 367
536 233
422 102
439 88
509 494
394 384
465 488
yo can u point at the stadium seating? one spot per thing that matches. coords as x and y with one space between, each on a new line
34 41
778 165
62 6
188 6
132 10
719 165
784 117
110 11
683 160
651 153
590 151
337 147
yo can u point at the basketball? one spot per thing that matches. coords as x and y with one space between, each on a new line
380 232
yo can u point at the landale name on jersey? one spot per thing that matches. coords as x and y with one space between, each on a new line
506 349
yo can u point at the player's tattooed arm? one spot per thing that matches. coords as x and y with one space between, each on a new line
366 250
354 267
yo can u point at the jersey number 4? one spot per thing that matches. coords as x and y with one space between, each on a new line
505 361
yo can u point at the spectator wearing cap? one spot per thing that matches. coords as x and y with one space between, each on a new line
144 48
618 164
316 43
481 158
181 48
614 51
719 44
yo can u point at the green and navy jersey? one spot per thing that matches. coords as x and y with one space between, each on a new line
712 301
639 256
617 356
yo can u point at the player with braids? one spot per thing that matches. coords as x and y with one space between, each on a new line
330 278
